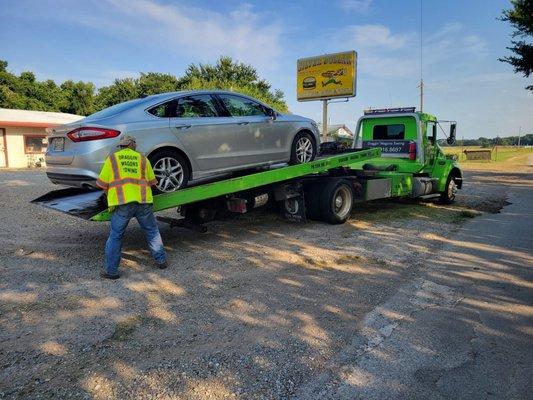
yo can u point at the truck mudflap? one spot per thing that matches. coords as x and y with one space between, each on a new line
80 203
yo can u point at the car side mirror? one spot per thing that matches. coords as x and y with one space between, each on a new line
451 137
271 113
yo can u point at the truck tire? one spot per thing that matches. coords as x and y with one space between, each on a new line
171 171
336 201
303 149
450 191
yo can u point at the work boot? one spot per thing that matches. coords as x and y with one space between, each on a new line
162 265
104 274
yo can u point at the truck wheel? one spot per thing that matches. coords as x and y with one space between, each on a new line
336 201
448 196
171 171
303 149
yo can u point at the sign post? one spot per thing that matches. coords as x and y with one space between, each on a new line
325 119
326 77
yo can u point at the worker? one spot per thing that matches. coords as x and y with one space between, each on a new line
126 178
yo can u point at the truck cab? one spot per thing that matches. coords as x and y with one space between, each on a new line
408 143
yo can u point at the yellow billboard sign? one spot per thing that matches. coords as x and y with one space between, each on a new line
327 76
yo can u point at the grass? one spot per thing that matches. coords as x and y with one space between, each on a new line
499 153
394 209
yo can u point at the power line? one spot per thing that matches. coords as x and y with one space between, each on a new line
421 70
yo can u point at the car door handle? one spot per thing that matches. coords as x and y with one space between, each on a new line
243 123
182 126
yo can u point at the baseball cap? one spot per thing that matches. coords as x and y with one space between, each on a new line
126 140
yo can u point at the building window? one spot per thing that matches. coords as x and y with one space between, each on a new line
34 144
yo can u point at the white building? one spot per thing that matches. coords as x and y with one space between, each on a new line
23 137
336 132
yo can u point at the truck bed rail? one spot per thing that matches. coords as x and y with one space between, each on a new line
90 205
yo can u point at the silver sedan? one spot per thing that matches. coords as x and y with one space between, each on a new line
187 136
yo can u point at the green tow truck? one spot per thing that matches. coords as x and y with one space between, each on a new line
395 154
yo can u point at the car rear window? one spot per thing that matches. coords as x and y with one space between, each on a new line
163 110
389 132
117 108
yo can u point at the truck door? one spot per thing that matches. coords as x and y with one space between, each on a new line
258 137
430 139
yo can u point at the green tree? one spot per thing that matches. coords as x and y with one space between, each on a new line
79 97
155 82
229 75
119 91
521 19
27 93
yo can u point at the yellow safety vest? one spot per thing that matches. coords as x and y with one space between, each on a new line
126 177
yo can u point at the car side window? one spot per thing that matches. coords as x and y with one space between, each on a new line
195 107
241 107
163 110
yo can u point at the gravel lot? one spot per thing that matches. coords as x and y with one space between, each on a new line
255 308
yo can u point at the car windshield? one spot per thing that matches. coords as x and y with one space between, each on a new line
117 108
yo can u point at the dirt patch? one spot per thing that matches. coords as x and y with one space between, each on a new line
252 309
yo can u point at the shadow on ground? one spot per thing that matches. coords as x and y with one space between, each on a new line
255 308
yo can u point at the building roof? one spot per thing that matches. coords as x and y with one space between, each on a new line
37 119
334 129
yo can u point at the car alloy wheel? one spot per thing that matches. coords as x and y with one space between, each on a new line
304 149
169 174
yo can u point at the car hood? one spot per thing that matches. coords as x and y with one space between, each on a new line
295 117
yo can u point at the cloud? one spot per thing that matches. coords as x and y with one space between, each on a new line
446 30
384 53
196 33
200 32
373 36
388 67
358 6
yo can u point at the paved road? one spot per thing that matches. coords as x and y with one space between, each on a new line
461 330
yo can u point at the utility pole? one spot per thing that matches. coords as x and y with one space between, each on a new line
325 119
519 134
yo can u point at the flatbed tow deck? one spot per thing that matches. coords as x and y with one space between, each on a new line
293 187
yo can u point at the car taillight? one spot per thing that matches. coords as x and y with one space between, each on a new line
412 151
86 133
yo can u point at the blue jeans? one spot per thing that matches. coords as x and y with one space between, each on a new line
119 221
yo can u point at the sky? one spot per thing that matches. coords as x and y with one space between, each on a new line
100 40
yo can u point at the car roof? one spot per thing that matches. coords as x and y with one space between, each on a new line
170 95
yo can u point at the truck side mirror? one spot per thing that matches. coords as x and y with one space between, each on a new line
451 138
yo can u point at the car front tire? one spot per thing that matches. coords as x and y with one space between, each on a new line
303 149
171 171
